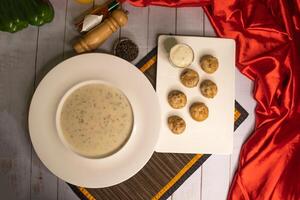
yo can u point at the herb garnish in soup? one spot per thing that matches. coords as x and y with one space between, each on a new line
96 120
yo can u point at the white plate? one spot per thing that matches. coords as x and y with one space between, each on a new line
215 134
69 166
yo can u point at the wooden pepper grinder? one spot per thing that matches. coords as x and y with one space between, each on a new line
93 39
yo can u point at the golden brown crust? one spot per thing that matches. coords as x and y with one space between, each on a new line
209 64
199 111
208 88
177 99
176 124
189 78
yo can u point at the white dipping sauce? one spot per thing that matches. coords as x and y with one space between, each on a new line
181 55
96 120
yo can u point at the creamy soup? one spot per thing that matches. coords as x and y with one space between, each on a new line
96 120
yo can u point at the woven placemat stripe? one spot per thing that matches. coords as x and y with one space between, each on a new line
149 64
148 61
86 193
177 177
82 195
185 176
240 114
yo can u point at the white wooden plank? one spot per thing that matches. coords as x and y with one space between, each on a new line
162 20
244 88
137 28
65 192
17 71
190 189
216 170
5 189
50 53
208 29
43 182
51 41
215 177
190 22
15 151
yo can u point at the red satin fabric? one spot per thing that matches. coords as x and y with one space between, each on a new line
169 3
267 34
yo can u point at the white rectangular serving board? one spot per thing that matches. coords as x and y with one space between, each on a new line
215 134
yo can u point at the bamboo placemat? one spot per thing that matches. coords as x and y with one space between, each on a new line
164 172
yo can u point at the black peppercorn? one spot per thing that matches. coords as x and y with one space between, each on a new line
126 49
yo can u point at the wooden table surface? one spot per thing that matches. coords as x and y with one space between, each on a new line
26 56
